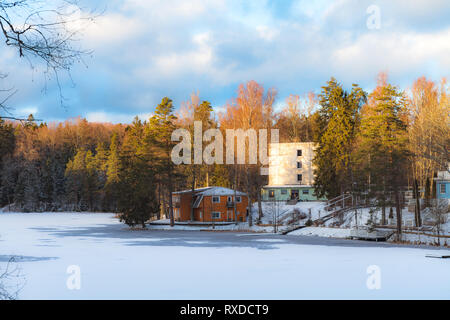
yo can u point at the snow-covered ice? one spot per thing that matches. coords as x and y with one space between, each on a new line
322 232
117 263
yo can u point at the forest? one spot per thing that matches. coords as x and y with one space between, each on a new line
377 143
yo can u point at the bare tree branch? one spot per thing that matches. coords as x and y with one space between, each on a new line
45 31
8 92
11 281
38 31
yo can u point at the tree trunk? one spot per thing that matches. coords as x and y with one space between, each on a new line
234 203
383 208
417 210
260 212
250 216
164 205
158 214
427 192
398 214
247 187
169 180
192 193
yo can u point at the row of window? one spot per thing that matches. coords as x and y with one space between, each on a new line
442 190
230 215
216 199
214 215
284 192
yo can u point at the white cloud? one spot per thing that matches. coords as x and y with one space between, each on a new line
267 33
145 50
105 116
396 53
113 29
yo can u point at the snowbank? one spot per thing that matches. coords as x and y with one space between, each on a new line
322 232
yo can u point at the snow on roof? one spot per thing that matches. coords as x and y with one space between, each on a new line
221 191
443 176
214 191
190 190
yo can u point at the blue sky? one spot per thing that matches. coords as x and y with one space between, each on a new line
144 50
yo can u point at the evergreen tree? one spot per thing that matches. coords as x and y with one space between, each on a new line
382 152
137 199
112 173
336 127
159 136
7 145
82 181
199 174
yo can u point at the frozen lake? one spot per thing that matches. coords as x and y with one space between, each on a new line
116 263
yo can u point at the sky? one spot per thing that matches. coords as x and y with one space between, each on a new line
144 50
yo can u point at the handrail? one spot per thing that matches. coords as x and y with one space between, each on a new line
337 200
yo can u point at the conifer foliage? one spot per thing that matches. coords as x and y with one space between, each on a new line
337 125
371 145
136 178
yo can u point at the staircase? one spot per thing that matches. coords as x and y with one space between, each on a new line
336 208
339 206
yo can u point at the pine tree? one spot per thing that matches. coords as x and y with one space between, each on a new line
159 135
382 152
198 174
136 187
336 127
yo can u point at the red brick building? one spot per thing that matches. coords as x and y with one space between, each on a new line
211 204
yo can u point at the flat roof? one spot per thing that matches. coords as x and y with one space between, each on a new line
289 186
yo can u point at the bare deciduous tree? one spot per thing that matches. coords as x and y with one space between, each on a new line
439 215
11 281
273 209
252 109
429 132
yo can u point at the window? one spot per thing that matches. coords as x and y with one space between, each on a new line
283 191
299 165
299 153
271 193
238 199
299 178
230 199
305 192
216 199
443 189
215 215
